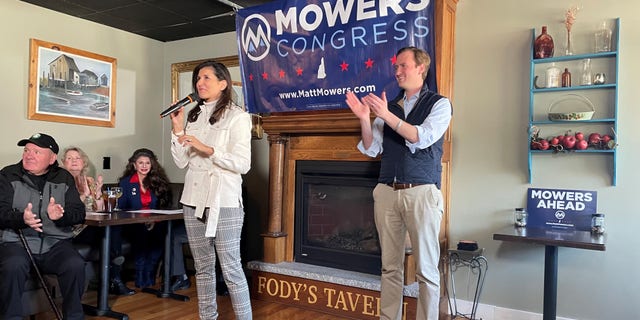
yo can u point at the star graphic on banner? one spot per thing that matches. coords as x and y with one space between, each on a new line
393 59
251 77
344 66
369 63
299 71
281 73
265 76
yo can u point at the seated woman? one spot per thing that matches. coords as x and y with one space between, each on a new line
145 185
76 161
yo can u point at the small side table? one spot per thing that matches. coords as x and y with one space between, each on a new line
477 265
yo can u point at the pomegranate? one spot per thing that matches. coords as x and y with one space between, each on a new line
569 142
582 144
594 138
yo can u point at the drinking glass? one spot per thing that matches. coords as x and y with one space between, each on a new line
118 192
109 197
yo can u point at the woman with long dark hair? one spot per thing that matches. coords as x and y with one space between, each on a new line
145 185
215 146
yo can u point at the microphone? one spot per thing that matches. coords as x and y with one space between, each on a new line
188 99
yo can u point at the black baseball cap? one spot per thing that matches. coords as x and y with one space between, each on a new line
42 140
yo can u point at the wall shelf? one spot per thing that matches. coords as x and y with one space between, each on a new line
575 88
606 116
607 120
576 151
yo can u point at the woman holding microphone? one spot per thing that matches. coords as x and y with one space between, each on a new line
215 147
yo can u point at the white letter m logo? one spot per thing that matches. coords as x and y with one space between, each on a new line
255 38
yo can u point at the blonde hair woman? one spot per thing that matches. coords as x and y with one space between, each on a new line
76 162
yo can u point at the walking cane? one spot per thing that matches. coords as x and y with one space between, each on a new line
42 282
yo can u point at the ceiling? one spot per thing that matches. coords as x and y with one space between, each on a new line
163 20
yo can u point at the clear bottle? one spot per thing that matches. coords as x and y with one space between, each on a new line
553 76
587 78
603 38
597 223
520 217
566 78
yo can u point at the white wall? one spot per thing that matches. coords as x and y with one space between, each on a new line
139 88
490 158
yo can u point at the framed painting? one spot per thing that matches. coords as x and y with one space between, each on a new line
71 85
181 74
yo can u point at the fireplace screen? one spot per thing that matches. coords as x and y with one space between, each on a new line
334 215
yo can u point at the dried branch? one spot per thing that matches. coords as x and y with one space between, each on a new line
570 16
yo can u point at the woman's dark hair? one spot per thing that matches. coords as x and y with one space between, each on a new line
156 180
222 73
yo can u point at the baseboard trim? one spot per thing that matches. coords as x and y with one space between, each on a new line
491 312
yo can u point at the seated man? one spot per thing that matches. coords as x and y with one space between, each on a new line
40 199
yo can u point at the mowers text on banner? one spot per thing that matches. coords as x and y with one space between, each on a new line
306 55
558 208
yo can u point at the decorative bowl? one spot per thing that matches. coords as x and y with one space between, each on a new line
569 99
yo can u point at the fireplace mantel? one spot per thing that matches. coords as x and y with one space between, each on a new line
314 122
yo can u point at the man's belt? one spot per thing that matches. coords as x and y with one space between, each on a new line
401 186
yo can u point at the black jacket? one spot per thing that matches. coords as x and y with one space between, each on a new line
17 189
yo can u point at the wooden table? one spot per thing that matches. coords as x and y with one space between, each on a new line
552 239
123 218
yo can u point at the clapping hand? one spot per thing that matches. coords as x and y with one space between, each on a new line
359 109
99 183
83 186
363 107
377 104
30 219
54 210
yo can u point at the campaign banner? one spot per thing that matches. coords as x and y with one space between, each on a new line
306 55
558 208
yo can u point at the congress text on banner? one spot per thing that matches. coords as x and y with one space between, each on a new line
305 55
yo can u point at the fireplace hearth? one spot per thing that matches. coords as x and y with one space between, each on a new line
334 223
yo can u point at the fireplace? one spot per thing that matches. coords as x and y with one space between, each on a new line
334 223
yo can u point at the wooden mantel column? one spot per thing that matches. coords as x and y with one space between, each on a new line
274 239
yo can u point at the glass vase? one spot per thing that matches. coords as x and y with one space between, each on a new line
587 78
603 38
568 48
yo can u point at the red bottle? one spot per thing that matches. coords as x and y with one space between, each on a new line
543 46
